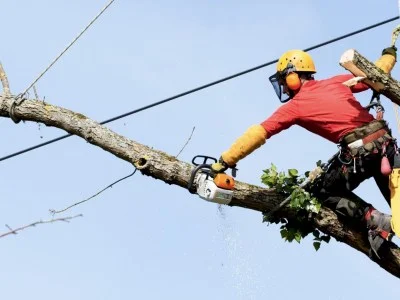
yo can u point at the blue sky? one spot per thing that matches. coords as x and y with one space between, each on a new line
144 239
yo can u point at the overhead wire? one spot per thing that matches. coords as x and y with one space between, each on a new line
200 87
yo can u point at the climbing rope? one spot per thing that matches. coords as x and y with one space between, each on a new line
67 48
395 35
21 97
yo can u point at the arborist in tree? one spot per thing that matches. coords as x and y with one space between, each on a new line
329 109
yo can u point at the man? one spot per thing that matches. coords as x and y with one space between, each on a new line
329 109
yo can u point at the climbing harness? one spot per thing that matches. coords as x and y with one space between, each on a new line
372 138
375 103
22 97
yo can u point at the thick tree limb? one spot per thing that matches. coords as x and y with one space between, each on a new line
169 169
383 83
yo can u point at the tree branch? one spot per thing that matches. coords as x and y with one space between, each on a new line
4 81
383 83
14 231
187 142
169 169
53 211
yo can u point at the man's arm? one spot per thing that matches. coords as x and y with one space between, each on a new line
387 60
256 135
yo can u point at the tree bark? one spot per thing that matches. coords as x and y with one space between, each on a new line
383 83
162 166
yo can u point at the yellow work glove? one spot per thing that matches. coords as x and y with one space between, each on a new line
388 59
252 139
220 166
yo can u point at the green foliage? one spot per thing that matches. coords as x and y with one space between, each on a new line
280 181
301 200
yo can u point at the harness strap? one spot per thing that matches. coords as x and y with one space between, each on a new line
364 132
376 102
369 138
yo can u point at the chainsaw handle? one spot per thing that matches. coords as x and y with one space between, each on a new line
205 160
194 172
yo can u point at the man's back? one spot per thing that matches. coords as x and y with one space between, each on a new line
327 108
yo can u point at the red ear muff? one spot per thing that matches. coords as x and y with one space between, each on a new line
293 81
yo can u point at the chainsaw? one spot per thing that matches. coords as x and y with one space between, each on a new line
210 186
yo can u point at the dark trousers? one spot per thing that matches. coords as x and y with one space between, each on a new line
338 183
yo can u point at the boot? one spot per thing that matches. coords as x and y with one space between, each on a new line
379 229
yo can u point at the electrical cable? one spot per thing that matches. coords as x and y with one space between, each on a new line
201 87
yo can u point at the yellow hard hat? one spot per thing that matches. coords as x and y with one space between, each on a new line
300 60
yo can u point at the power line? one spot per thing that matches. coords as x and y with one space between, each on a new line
200 88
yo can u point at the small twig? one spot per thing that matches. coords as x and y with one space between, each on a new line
68 47
4 81
190 137
35 92
37 98
14 231
9 228
53 212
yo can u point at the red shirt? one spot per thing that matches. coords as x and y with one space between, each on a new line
325 107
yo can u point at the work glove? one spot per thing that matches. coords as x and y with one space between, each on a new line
220 166
390 50
387 60
253 138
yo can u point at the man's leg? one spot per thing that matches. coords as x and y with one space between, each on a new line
337 194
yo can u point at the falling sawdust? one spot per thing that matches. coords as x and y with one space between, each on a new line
245 279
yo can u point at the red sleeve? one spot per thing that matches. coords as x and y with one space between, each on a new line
359 87
284 117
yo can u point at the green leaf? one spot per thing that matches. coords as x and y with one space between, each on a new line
302 198
326 238
270 182
297 237
293 172
290 235
265 219
317 207
316 233
319 163
294 201
316 245
272 173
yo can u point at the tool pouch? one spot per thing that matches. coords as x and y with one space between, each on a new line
373 138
